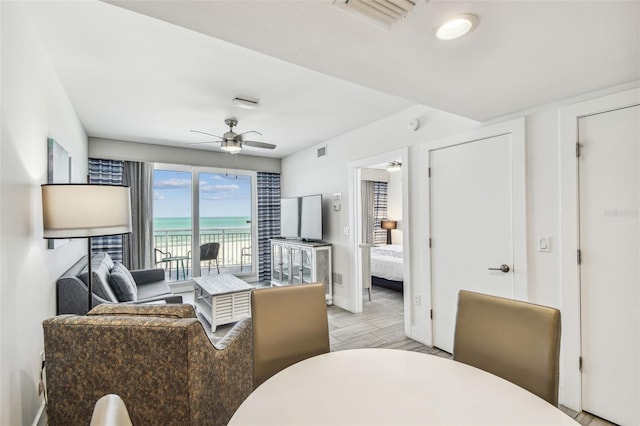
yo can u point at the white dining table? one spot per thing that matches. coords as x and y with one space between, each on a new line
391 387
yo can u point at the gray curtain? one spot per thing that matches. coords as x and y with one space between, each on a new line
137 245
368 219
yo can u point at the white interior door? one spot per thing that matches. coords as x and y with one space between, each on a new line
609 187
472 226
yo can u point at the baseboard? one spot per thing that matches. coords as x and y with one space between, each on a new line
41 416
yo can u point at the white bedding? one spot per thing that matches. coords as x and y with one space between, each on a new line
386 262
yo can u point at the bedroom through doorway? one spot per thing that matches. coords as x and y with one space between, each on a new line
381 246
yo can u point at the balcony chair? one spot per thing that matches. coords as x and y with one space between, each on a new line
163 257
515 340
157 358
289 325
209 252
244 252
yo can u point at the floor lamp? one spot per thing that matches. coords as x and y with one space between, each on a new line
84 211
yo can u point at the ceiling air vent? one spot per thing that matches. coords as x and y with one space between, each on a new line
322 152
382 13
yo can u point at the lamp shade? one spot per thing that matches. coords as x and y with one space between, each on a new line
85 210
388 224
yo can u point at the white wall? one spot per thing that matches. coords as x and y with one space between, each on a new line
394 205
304 173
34 107
131 151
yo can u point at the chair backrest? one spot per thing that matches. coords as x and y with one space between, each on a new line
158 359
160 255
110 410
289 324
209 251
515 340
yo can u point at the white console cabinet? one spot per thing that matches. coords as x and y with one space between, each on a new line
299 262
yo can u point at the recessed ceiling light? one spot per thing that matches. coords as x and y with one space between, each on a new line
456 26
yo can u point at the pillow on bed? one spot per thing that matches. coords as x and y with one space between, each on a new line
123 284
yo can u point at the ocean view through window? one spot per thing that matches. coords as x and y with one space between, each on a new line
223 207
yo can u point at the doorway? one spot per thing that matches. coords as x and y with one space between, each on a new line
573 234
396 211
477 220
609 233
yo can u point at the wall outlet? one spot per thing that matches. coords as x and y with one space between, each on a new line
417 299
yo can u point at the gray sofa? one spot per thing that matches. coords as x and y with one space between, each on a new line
149 285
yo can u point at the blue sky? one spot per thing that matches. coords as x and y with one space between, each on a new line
220 195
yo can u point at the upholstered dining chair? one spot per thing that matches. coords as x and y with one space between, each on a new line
289 325
157 358
515 340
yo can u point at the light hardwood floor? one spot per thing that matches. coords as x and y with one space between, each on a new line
381 325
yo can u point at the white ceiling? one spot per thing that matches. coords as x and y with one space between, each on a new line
135 78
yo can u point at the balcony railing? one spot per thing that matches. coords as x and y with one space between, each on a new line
232 241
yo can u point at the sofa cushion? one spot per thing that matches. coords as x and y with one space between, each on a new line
100 283
123 284
153 289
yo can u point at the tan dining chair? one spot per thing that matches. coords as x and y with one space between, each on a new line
515 340
289 325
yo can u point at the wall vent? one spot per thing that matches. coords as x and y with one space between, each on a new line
382 13
322 152
337 278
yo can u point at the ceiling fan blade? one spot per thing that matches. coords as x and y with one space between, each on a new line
250 131
202 143
256 144
208 134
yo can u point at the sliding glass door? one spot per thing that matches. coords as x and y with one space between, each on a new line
203 221
225 218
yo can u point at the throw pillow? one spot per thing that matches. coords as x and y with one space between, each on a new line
123 284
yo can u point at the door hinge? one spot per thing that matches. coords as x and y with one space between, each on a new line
580 363
577 149
429 242
431 313
429 172
579 257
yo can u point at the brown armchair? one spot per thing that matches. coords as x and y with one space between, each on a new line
157 358
515 340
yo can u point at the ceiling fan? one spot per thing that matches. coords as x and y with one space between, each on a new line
232 142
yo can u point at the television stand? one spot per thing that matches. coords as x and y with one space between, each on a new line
302 262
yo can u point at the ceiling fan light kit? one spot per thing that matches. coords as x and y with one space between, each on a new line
246 103
394 166
232 142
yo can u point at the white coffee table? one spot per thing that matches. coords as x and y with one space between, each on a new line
222 299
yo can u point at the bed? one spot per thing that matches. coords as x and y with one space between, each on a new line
387 266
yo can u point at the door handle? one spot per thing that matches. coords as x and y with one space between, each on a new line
504 268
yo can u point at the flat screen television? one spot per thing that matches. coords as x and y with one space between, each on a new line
301 217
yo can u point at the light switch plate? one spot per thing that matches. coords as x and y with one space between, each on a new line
544 244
